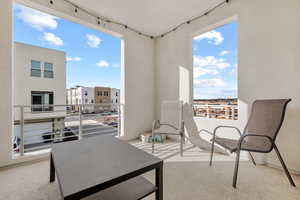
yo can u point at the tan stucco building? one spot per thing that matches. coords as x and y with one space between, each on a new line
103 96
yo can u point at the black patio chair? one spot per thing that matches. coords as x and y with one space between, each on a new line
259 134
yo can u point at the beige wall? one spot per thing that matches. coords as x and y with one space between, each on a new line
101 98
268 63
5 81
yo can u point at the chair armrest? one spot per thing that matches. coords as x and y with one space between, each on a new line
155 124
169 125
253 135
223 126
206 131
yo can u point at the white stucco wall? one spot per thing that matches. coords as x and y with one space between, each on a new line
24 83
79 93
6 81
268 63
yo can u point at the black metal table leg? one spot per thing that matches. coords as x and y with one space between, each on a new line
159 182
52 169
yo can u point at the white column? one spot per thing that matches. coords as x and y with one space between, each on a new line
6 88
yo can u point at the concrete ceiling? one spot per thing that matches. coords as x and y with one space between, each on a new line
152 17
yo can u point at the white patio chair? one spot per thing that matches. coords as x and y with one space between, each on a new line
171 122
193 134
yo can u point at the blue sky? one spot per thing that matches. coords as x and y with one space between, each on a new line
93 57
215 63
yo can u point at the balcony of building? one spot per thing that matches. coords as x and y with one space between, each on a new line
157 66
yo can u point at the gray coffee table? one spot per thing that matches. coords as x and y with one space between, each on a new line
104 165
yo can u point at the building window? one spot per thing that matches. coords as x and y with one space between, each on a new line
48 70
85 93
35 68
41 101
92 101
117 94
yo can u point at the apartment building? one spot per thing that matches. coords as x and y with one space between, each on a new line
103 96
216 108
108 97
81 95
115 99
39 82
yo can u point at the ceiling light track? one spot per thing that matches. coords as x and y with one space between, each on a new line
100 20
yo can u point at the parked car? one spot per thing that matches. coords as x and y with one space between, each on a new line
114 124
106 114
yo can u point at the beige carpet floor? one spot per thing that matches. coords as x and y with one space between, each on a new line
185 178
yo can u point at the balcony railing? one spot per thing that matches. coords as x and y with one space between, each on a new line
37 126
216 111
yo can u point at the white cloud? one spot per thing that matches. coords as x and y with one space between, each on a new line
102 63
53 39
207 83
93 40
228 92
210 61
37 19
200 71
223 53
208 65
77 59
211 36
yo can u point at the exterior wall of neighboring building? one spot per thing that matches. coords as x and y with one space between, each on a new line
25 83
115 99
103 96
38 122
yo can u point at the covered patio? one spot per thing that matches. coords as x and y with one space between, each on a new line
157 66
187 177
